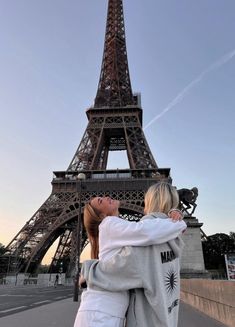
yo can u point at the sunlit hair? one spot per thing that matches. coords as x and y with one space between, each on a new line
92 220
161 197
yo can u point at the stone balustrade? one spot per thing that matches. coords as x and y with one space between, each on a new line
216 298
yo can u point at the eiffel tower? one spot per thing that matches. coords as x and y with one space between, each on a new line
114 124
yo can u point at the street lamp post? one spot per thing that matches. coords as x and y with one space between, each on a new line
80 178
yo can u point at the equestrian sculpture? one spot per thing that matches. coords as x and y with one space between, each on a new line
187 200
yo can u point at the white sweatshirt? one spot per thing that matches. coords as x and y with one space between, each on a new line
115 233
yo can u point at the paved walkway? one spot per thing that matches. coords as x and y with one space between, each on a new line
62 314
56 314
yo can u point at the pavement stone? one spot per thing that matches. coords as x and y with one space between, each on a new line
62 314
57 314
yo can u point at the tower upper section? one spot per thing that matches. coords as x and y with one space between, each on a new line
114 89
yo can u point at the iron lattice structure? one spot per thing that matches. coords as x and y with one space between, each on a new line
114 123
114 89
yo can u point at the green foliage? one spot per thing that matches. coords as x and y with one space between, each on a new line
215 247
42 269
2 249
232 235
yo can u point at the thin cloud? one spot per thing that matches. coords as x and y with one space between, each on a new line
227 57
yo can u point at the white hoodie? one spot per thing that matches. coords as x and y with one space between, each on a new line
114 234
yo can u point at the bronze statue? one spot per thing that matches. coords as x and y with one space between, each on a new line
187 200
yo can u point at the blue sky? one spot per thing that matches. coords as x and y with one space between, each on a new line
50 59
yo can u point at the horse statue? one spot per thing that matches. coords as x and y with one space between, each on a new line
187 199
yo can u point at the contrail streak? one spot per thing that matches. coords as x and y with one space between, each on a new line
183 93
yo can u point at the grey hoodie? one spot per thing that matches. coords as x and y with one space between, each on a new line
152 273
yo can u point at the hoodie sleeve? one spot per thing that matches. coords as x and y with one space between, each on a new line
116 274
146 232
177 246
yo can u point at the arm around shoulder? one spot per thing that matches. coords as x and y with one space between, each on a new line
146 232
119 273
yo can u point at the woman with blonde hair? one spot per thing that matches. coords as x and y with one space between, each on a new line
113 241
161 197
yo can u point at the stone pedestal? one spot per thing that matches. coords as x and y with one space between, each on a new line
192 262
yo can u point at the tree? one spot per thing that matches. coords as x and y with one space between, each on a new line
2 249
214 248
232 236
42 269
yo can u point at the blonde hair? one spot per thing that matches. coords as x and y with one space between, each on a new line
161 197
92 220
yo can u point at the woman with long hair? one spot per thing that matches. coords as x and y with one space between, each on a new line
108 235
